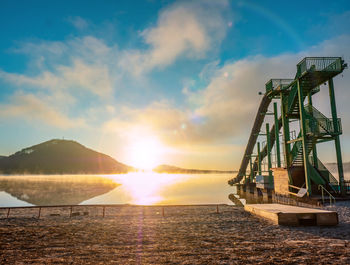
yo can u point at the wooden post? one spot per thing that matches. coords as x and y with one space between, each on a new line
163 211
104 211
8 212
39 213
71 210
217 208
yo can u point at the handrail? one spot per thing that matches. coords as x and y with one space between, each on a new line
332 180
273 84
318 122
320 187
296 147
320 64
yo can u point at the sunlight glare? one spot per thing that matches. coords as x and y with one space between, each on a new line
146 153
146 188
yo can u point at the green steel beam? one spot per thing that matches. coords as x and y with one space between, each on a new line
336 140
259 159
304 136
277 138
314 149
269 164
285 126
251 175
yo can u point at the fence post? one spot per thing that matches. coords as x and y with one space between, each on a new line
217 208
8 212
104 211
39 213
163 211
71 210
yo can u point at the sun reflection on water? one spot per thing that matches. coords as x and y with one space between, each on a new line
146 188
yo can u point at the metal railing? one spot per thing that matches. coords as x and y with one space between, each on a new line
296 147
318 123
321 167
330 64
331 198
273 84
292 97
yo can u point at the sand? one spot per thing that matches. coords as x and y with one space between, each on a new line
185 235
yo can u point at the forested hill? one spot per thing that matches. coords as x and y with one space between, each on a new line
60 157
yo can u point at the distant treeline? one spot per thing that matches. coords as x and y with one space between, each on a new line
178 170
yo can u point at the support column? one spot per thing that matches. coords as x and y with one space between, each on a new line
277 138
269 164
259 159
314 150
304 139
286 136
251 170
336 139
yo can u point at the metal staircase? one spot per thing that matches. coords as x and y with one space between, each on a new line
318 127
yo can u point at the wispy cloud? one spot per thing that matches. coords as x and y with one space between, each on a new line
30 108
92 78
186 29
78 22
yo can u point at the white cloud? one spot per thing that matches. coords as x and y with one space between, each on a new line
186 29
78 22
31 108
94 78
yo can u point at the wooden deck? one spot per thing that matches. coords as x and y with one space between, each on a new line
292 215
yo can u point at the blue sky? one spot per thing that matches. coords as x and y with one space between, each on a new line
110 74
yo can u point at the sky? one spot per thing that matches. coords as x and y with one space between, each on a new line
172 82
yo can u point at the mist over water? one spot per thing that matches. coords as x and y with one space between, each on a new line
146 188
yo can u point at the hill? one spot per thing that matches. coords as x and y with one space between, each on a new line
179 170
60 157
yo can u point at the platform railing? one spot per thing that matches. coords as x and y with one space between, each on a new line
331 64
273 84
318 122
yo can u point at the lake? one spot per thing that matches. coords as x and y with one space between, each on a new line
142 188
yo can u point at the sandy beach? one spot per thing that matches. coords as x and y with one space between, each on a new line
185 235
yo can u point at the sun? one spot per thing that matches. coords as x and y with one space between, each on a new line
146 153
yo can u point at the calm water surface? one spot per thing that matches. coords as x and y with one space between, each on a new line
133 188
